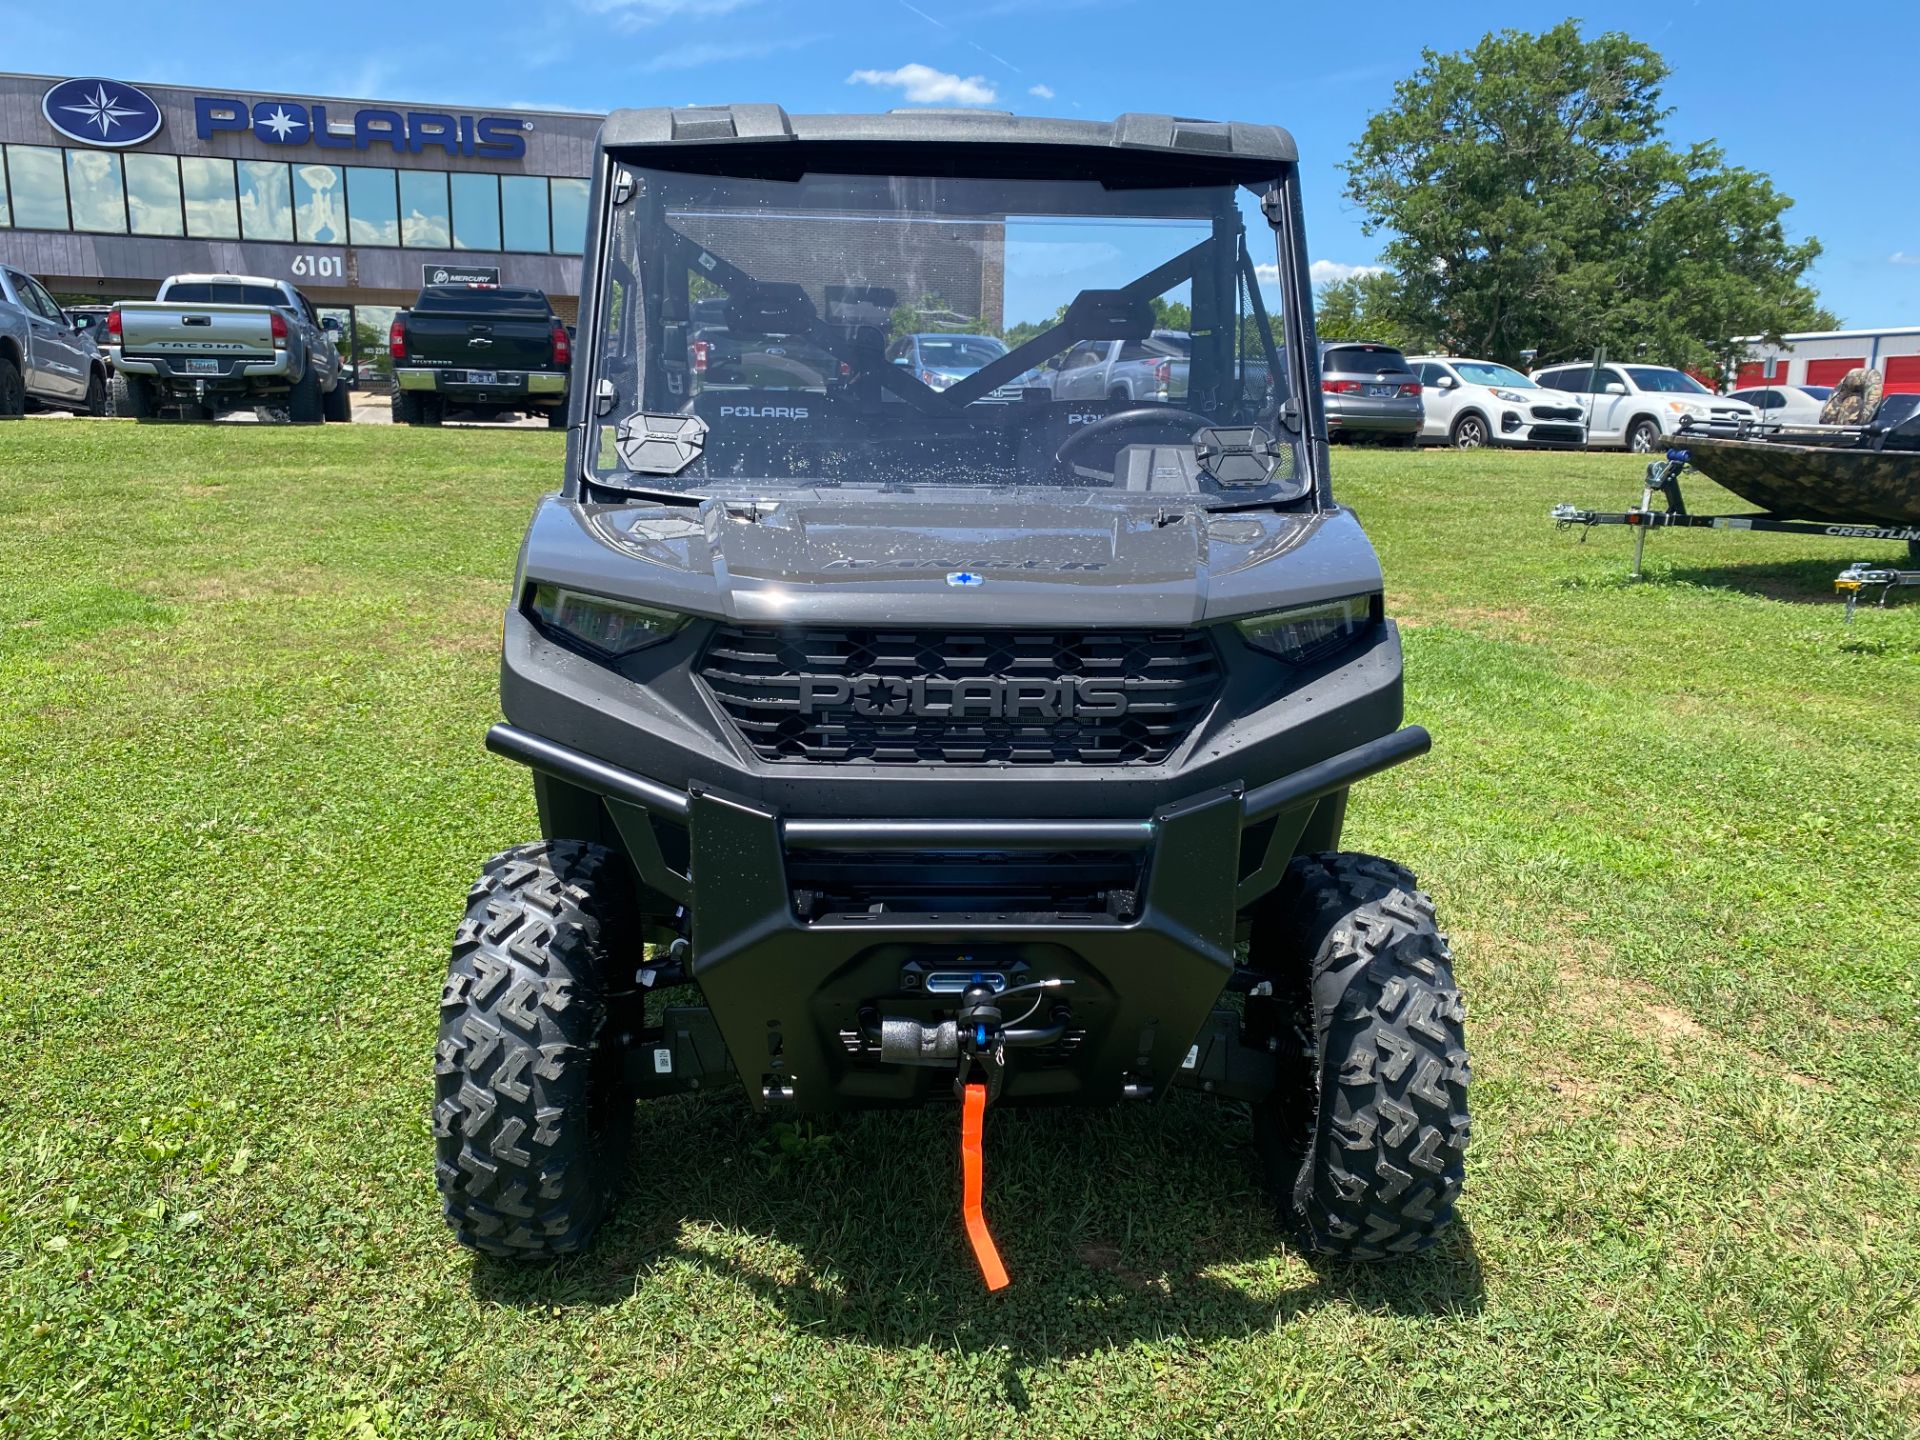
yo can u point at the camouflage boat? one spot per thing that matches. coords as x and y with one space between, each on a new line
1846 474
1842 483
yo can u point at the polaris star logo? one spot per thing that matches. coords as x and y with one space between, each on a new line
889 697
966 579
101 112
764 412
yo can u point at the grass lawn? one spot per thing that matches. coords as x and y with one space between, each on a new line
244 673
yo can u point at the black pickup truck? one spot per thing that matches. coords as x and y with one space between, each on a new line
488 350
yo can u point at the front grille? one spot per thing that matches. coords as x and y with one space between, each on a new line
822 696
1556 434
1556 412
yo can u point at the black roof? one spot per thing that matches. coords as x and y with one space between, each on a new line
770 124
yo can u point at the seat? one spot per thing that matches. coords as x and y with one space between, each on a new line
1854 399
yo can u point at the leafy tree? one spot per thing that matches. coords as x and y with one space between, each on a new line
1364 307
1532 204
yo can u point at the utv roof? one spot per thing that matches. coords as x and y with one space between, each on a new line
770 124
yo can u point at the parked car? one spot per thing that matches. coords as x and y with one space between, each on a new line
1470 403
488 350
1368 393
1779 405
91 321
1639 407
942 358
46 358
209 344
1134 370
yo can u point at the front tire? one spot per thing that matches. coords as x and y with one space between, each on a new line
1368 1162
532 1117
13 390
96 403
1469 432
1643 437
337 405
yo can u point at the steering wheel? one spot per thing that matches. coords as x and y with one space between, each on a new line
1135 415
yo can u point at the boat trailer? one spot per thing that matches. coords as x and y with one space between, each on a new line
1663 480
1862 576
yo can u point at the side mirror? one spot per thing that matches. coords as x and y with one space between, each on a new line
1615 388
903 362
1445 382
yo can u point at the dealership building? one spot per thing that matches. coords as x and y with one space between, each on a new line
108 187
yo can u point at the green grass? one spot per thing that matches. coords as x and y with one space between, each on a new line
244 672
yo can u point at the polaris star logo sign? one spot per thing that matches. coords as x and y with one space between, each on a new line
405 132
966 579
101 112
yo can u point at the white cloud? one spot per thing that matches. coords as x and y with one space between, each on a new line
1901 257
641 14
1327 272
924 85
1267 274
1040 92
692 56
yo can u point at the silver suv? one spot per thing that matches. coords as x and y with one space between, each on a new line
1369 393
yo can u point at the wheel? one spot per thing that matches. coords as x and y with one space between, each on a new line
337 405
96 404
1118 392
1643 437
411 408
1365 1149
132 397
305 404
13 390
1469 432
531 1115
557 419
1407 442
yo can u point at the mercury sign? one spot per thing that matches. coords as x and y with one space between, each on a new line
405 132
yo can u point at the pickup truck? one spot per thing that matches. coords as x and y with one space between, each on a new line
1136 370
487 350
45 357
208 344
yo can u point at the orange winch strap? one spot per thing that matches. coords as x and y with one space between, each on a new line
973 1112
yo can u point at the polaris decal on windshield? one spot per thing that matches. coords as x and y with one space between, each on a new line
764 412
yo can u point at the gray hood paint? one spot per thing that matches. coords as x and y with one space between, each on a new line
885 560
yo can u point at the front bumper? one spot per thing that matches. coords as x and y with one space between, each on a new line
504 384
792 977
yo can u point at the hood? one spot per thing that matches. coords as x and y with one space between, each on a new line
919 561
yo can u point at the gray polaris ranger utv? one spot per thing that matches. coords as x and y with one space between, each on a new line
957 737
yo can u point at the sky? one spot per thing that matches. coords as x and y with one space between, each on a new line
1817 106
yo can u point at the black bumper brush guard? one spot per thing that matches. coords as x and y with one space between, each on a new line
819 1009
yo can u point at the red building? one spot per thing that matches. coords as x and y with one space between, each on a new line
1821 357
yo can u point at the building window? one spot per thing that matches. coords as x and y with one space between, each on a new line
523 211
39 185
153 195
213 212
93 182
424 222
266 200
373 216
6 213
319 205
569 216
476 211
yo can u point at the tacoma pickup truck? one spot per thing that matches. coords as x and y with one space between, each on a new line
45 356
208 344
1151 368
488 350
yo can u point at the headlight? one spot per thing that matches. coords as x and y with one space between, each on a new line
611 628
1512 397
1688 407
1310 632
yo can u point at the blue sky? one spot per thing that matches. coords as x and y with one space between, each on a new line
1818 105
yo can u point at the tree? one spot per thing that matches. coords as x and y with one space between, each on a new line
1364 307
1532 204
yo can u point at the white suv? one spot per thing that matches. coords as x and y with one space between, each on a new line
1471 403
1640 407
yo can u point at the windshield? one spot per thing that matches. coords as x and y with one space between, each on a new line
1670 382
1485 372
761 337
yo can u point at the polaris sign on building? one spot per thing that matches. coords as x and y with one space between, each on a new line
107 187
